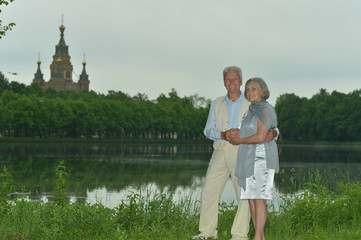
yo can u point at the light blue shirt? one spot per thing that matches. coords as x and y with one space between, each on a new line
233 109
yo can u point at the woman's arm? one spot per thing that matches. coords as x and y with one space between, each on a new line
259 137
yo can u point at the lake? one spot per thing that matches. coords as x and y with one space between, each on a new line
107 173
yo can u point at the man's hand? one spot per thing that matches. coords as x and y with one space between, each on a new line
270 135
232 133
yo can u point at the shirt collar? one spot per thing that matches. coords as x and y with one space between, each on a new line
240 99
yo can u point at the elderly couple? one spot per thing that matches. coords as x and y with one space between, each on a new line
242 128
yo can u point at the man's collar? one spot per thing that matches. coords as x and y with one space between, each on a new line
241 98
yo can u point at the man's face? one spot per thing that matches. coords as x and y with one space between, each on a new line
232 82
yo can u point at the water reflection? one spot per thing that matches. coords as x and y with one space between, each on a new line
107 173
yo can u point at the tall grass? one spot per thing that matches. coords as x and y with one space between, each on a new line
318 213
140 218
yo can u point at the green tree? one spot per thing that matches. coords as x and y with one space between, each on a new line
17 87
354 116
4 83
5 28
288 108
322 124
198 101
97 117
78 125
116 120
306 121
34 112
7 113
22 116
33 89
118 95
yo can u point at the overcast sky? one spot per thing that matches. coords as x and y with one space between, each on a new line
152 46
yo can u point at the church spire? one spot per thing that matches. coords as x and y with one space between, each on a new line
38 76
61 48
84 76
61 67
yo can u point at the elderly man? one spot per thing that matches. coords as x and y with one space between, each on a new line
226 113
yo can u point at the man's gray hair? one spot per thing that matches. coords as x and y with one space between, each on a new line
232 68
262 85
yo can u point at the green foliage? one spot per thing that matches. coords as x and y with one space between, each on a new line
287 106
4 82
35 220
5 189
5 28
154 215
318 211
33 112
29 111
325 209
225 219
324 117
316 214
60 197
142 218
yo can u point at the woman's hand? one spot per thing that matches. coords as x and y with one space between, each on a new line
232 136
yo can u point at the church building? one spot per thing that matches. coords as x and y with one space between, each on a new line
61 70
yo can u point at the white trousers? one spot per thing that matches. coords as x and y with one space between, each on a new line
222 166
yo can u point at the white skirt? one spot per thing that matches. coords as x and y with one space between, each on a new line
260 185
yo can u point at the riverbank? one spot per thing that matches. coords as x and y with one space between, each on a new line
317 213
325 216
157 141
105 140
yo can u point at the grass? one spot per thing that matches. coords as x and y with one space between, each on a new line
137 218
318 213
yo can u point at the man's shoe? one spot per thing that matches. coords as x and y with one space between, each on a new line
199 236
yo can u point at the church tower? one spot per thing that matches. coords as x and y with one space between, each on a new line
83 78
38 76
61 70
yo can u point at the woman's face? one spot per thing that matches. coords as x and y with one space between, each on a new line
254 92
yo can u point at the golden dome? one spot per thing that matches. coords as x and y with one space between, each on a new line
62 28
84 62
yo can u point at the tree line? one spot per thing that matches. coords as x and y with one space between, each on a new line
323 117
29 111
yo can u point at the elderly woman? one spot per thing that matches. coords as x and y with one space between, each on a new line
257 160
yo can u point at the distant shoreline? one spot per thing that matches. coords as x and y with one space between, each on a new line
155 141
104 140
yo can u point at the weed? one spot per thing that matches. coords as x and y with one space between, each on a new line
5 189
60 197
